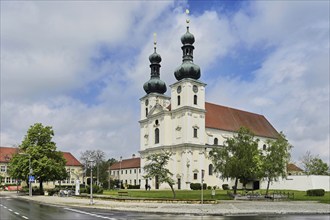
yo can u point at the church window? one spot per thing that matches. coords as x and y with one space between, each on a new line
146 112
210 170
179 100
195 176
264 147
215 141
195 132
156 122
156 136
195 99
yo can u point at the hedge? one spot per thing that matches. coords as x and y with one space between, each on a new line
315 192
197 186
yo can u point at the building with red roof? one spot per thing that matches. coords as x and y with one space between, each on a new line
73 167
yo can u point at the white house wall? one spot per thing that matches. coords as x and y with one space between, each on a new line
300 183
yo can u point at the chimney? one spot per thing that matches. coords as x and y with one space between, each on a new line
133 156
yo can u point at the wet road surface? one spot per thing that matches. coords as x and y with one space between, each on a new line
12 208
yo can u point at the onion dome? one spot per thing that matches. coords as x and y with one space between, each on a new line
187 38
187 69
155 84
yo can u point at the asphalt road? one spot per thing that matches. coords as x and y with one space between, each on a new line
12 208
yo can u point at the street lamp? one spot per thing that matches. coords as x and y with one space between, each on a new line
120 171
202 181
91 183
30 172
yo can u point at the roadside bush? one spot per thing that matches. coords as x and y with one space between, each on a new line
51 192
83 190
96 189
209 187
225 186
197 186
133 187
315 192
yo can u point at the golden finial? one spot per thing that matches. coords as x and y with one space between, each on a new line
155 40
187 13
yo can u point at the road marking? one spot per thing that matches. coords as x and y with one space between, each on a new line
10 210
5 207
87 213
16 213
25 217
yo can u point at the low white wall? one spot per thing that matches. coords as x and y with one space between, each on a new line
300 183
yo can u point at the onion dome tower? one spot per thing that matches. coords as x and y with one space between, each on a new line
187 69
155 84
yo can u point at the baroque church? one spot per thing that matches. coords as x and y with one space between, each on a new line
188 126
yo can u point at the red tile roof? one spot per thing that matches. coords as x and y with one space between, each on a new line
230 119
6 154
293 167
70 159
127 163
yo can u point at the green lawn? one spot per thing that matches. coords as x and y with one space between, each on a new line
167 194
220 194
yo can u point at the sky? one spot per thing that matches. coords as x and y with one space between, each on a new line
80 66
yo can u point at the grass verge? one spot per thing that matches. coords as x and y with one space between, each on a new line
220 194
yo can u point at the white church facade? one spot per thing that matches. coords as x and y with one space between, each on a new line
188 126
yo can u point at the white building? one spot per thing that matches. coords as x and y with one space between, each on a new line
188 126
127 171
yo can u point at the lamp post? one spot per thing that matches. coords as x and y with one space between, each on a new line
30 172
202 181
120 171
91 184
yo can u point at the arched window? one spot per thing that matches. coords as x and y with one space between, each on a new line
156 136
195 133
210 170
264 147
215 141
195 99
146 112
179 100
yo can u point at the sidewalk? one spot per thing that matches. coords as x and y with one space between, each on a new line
224 207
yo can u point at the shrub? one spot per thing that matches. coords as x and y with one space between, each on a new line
197 186
53 191
225 186
96 189
133 187
209 187
315 192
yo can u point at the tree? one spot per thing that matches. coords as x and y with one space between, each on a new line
93 155
47 164
313 165
239 158
156 167
275 159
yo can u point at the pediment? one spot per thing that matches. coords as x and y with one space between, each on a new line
156 109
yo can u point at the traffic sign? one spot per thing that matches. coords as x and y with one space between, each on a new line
31 178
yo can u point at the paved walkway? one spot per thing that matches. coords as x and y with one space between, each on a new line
224 207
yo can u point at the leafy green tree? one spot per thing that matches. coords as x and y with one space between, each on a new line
276 157
156 167
239 158
47 164
313 165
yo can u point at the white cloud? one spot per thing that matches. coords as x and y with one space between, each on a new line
50 50
291 88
